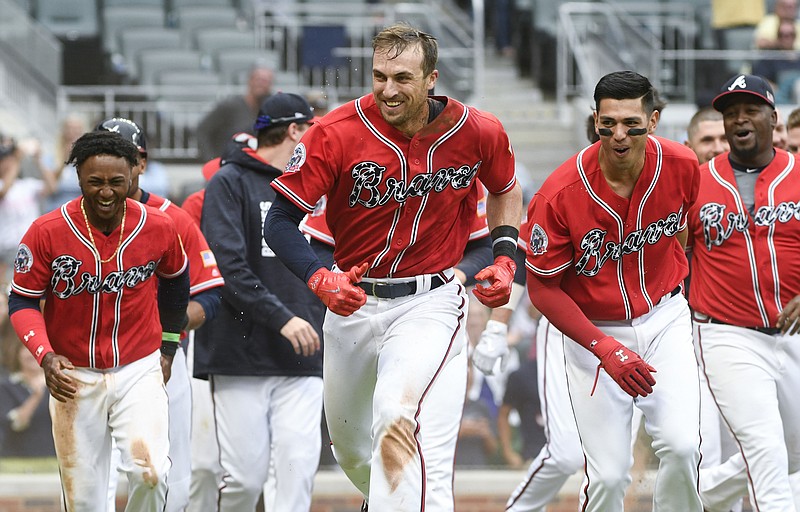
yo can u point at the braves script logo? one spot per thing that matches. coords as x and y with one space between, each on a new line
368 177
593 242
715 232
66 282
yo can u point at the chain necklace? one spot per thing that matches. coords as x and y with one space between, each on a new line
121 231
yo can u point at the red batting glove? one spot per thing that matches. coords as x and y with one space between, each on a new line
624 366
336 290
500 276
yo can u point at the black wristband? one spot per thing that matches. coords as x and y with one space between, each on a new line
168 348
504 241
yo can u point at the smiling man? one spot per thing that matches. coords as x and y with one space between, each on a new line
115 282
605 265
400 171
747 322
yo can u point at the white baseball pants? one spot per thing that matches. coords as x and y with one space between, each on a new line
561 456
755 380
128 403
255 413
662 338
395 381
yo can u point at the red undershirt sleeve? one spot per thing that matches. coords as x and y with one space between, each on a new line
561 310
29 326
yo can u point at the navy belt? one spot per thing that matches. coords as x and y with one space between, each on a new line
769 331
396 290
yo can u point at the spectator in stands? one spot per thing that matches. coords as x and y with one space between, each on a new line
706 134
25 425
731 16
234 114
779 135
20 204
793 131
782 72
65 174
522 396
767 33
477 440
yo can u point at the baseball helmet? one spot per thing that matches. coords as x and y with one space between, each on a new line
127 129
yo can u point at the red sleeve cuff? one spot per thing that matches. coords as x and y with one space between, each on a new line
29 326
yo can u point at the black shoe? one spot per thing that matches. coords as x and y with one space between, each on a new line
364 506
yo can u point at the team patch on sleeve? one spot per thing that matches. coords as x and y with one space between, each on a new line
208 258
24 260
298 158
538 243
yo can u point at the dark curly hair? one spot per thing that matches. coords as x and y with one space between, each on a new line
102 143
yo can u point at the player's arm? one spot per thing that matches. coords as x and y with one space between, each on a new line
173 298
623 365
477 255
336 290
28 323
202 308
503 213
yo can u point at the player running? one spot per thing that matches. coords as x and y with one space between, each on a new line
605 265
399 169
109 269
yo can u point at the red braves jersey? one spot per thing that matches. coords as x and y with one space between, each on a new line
203 271
99 315
744 267
403 204
617 256
315 224
193 205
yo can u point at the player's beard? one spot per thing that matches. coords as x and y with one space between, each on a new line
745 154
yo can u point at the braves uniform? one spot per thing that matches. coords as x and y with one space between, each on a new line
395 370
620 261
753 371
104 318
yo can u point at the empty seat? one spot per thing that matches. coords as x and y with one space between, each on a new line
133 40
69 19
139 3
119 17
211 40
190 19
233 61
152 62
194 3
185 77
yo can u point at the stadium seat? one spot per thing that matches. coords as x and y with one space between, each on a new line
132 41
119 17
230 62
183 77
195 3
210 40
190 19
69 19
152 62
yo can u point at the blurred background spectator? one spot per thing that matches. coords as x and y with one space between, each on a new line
768 34
782 72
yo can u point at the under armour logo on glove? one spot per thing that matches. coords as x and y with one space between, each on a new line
627 369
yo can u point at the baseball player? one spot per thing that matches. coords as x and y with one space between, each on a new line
205 280
705 135
745 323
262 353
605 265
109 268
399 169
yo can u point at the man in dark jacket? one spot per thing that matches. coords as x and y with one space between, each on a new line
262 352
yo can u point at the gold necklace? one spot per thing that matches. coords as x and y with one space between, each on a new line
121 231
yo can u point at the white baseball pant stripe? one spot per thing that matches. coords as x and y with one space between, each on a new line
561 456
254 413
395 381
662 338
755 380
206 469
128 403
